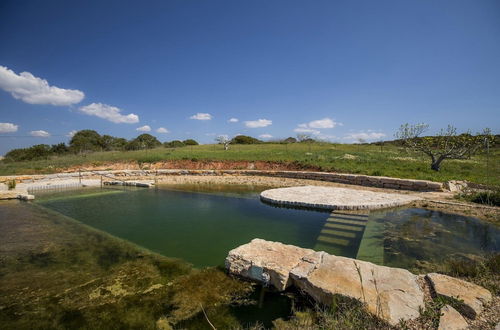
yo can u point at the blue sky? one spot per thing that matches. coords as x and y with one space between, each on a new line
338 70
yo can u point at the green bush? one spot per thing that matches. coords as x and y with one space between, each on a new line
39 151
143 141
190 142
244 139
490 197
11 184
174 144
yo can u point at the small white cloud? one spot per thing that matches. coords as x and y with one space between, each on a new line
210 134
108 112
40 133
145 128
367 136
34 90
162 130
258 123
306 130
72 133
323 123
8 128
201 116
312 126
233 120
265 136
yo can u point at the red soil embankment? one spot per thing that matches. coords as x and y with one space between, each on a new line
199 165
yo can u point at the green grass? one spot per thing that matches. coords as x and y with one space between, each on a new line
362 159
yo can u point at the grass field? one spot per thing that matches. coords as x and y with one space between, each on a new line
347 158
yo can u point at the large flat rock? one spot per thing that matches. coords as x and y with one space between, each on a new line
266 262
451 319
390 293
472 296
334 198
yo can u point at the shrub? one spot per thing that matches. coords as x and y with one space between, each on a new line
86 140
11 184
174 144
143 141
190 142
490 197
39 151
244 139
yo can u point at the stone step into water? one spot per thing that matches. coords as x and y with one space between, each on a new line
342 230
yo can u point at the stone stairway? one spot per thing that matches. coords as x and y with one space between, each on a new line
342 233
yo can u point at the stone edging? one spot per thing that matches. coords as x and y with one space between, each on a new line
332 198
355 179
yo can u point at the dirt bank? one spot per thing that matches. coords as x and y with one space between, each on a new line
193 164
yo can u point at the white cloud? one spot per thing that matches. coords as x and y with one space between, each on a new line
145 128
369 135
233 120
312 126
8 128
323 123
201 116
72 133
306 130
265 136
40 133
162 130
109 112
34 90
258 123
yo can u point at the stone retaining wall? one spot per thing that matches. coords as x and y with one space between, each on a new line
362 180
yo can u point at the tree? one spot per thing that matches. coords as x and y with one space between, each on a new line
59 149
303 137
143 141
190 142
245 139
446 145
113 143
290 140
86 140
38 151
224 140
174 144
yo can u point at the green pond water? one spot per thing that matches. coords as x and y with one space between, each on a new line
200 224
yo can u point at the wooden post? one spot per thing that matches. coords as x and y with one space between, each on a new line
101 181
80 175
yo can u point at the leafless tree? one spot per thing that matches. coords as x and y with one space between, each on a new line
446 145
303 137
224 140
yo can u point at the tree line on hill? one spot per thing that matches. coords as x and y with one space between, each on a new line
86 141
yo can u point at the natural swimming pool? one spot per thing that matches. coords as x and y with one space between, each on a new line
200 224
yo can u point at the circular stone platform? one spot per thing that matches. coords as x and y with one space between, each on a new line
332 198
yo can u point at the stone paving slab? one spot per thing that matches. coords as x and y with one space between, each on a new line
333 198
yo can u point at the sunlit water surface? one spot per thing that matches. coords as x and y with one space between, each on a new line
200 224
